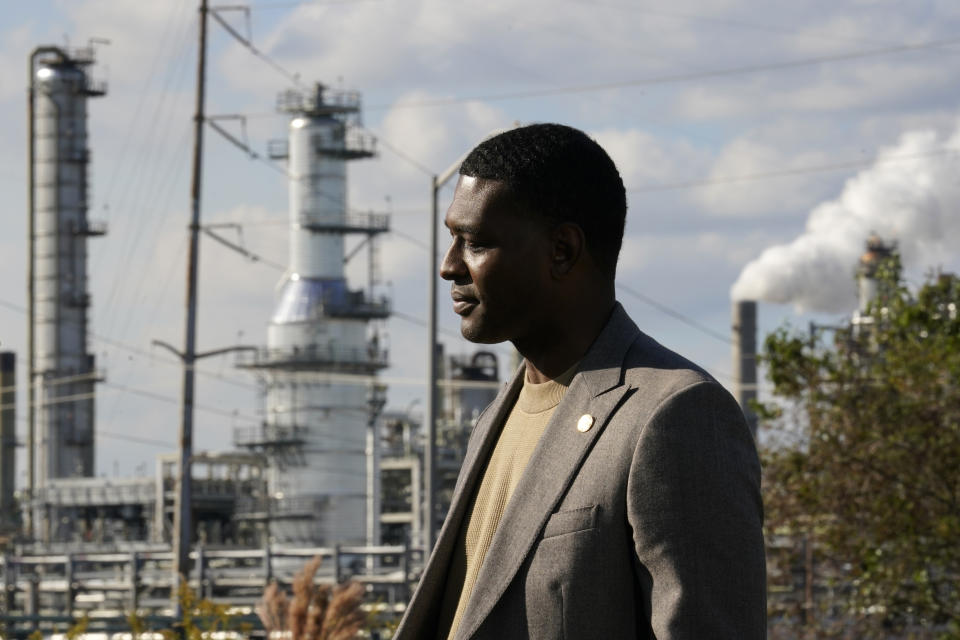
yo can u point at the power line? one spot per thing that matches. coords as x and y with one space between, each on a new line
782 173
137 439
401 154
12 306
110 434
246 42
291 5
422 323
726 22
153 357
171 400
148 79
673 313
345 378
410 239
675 186
146 394
51 382
245 147
250 255
669 78
242 145
156 189
285 221
137 350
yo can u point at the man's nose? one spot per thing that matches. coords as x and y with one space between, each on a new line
452 267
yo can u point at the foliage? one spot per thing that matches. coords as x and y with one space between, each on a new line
871 468
199 617
137 624
79 629
315 612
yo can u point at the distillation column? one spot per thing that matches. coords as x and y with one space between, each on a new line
316 423
64 372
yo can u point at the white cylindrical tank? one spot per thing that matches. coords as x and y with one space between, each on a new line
63 366
315 426
328 480
317 196
328 483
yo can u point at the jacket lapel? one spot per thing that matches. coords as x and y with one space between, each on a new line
485 436
429 593
597 389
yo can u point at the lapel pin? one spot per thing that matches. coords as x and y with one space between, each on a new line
584 423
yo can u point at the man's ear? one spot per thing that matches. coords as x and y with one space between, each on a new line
569 245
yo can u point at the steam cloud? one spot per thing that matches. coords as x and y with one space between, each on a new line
911 195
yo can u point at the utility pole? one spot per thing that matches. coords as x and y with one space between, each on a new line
178 535
430 412
182 526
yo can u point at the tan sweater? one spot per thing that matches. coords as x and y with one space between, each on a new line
517 440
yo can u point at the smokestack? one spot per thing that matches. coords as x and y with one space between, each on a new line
869 287
745 358
915 202
8 436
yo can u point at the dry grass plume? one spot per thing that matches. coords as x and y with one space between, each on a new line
314 612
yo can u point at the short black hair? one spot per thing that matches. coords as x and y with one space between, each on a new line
563 175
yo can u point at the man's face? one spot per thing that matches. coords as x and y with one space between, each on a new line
498 261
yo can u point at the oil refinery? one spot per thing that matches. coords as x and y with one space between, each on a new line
327 473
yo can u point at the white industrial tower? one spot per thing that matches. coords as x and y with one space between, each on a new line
315 431
62 371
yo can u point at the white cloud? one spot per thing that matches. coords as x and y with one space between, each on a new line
645 160
734 193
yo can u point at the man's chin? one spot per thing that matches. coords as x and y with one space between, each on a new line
475 332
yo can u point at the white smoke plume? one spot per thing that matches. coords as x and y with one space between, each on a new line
910 195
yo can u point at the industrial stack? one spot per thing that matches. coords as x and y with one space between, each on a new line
8 440
323 341
62 370
868 284
744 324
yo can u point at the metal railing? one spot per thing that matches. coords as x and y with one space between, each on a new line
313 357
90 228
303 507
356 305
269 436
96 492
326 101
352 222
39 587
355 144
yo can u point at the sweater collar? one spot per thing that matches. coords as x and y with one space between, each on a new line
537 398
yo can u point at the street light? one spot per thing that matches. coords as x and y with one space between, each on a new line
183 496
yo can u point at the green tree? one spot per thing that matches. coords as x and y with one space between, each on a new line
864 457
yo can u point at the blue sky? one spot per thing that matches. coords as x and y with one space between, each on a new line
738 125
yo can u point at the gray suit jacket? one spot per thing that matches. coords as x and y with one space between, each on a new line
648 525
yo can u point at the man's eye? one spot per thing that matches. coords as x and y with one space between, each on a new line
473 246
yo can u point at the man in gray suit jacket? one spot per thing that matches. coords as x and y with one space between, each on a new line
612 489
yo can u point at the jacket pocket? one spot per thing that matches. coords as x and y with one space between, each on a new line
571 521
